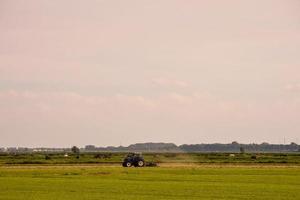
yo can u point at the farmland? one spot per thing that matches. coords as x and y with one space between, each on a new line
179 176
209 181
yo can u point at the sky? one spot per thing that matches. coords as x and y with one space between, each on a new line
114 72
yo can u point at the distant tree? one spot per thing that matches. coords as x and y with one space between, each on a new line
242 150
265 143
75 150
235 143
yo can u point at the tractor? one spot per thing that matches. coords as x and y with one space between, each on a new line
134 159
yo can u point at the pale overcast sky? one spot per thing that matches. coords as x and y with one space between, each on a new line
75 72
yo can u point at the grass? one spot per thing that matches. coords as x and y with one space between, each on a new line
196 182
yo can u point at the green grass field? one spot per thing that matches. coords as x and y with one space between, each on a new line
114 182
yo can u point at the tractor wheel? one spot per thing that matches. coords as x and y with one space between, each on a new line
128 164
141 163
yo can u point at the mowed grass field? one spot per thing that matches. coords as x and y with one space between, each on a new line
58 182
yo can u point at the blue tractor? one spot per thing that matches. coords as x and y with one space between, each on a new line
133 159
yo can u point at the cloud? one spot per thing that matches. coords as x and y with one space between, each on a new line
168 82
295 87
188 108
58 118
